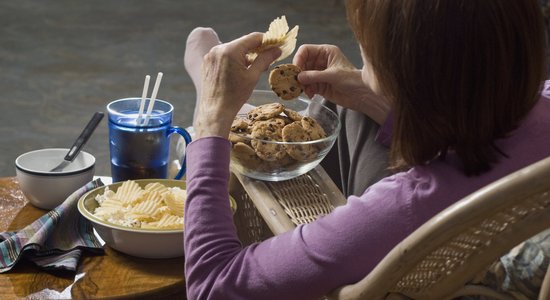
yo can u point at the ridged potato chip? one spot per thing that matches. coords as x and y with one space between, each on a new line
148 207
129 192
156 186
277 35
166 222
155 206
176 201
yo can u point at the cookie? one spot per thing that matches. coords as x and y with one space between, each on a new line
242 137
315 130
283 80
296 133
277 121
293 115
265 112
240 124
245 155
268 131
285 119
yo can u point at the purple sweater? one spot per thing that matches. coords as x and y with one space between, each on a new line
340 248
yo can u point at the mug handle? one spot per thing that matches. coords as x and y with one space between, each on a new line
187 137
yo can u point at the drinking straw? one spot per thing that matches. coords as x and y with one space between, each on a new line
153 98
143 96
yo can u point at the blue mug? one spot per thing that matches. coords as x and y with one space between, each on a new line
141 150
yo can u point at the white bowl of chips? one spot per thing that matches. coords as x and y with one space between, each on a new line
279 144
142 218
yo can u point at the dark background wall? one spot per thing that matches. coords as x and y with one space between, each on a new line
62 60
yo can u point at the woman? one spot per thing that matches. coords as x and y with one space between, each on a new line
455 86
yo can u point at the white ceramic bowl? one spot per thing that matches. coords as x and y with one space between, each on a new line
145 243
45 189
287 167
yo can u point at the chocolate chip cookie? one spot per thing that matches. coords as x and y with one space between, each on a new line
296 133
315 130
265 133
283 80
265 112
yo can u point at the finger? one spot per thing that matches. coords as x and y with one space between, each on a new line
248 42
312 57
312 77
300 57
264 59
310 91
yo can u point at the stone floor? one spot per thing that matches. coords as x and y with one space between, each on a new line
60 61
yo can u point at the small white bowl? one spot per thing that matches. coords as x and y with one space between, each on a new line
45 189
145 243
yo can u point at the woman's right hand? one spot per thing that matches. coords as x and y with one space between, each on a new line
327 72
228 78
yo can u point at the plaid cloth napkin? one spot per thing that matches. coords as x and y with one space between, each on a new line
55 241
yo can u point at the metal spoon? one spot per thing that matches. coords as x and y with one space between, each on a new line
80 141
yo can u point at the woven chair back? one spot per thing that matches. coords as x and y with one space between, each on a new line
445 253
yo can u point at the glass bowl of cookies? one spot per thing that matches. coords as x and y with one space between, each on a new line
275 140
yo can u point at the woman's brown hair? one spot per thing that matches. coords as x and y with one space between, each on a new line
460 73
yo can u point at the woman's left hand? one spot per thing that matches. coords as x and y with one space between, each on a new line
228 79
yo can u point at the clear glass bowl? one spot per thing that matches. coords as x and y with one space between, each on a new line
285 166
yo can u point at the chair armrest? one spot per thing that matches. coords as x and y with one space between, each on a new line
286 204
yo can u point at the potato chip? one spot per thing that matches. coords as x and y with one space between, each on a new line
163 210
129 192
277 35
156 186
106 212
175 200
156 206
166 222
113 203
150 195
147 207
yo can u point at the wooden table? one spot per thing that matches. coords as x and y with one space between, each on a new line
117 275
113 275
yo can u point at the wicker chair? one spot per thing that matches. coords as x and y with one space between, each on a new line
440 257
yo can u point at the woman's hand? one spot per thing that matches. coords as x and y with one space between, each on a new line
327 72
228 79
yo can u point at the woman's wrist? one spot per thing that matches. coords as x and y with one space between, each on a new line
205 127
